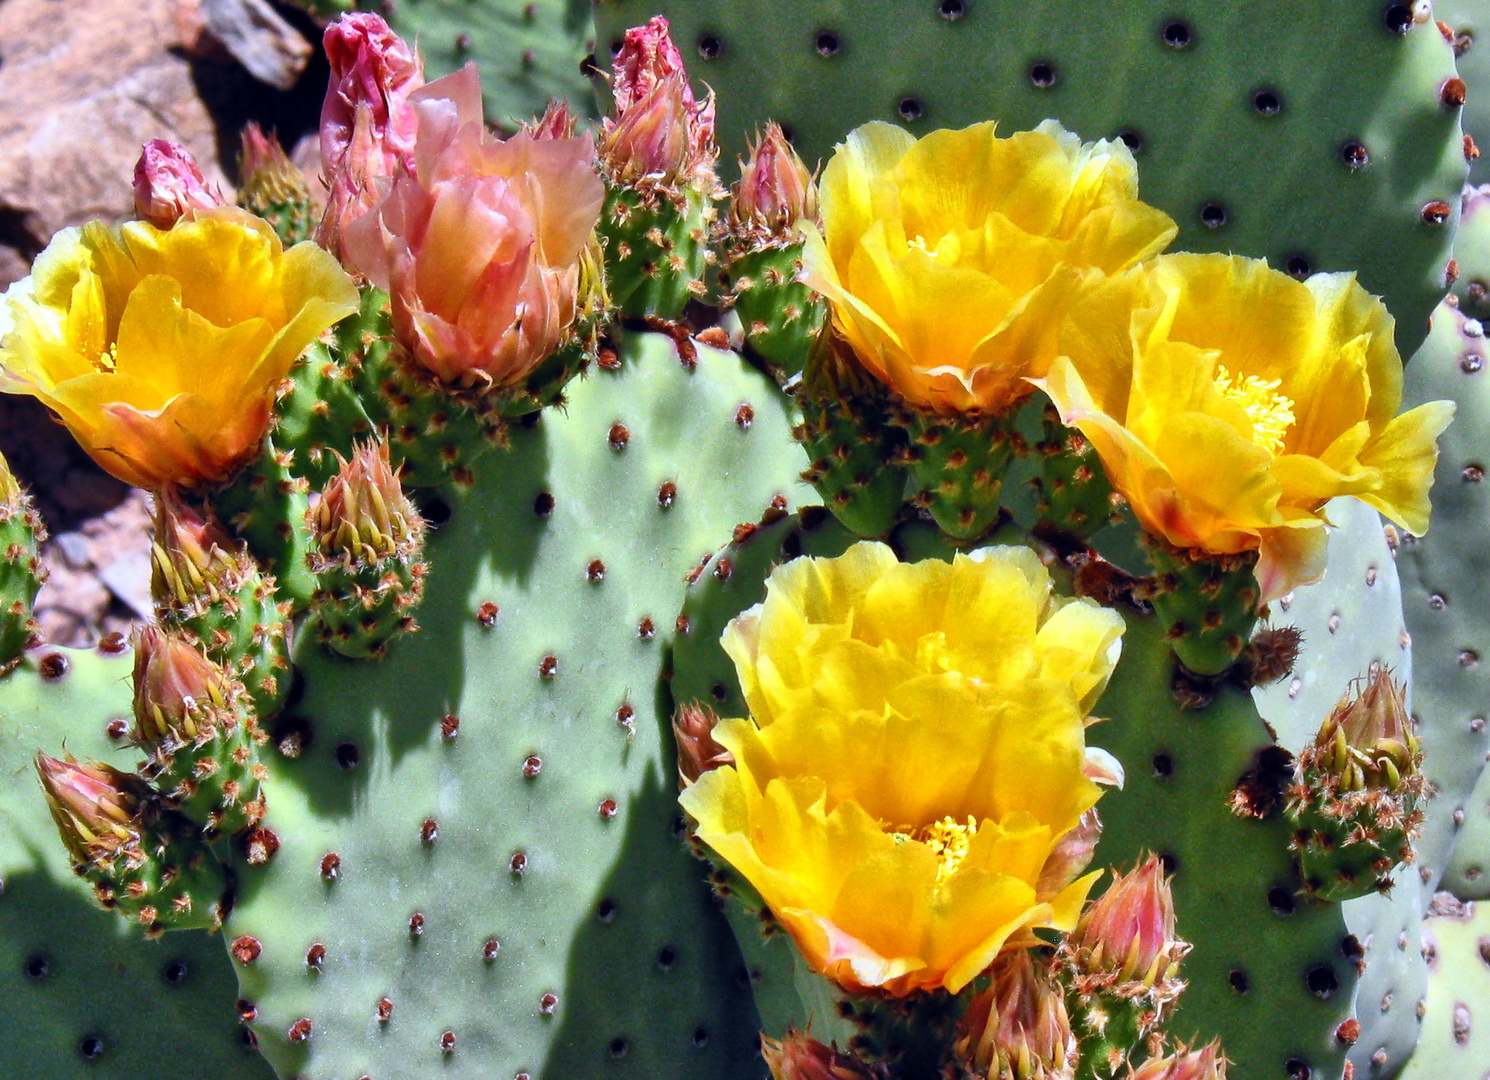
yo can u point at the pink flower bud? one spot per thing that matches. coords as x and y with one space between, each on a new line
557 122
1128 933
180 696
661 132
1203 1064
1018 1028
169 185
801 1057
480 245
370 66
93 804
368 127
775 190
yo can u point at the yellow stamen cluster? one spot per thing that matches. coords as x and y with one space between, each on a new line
108 360
1271 413
948 840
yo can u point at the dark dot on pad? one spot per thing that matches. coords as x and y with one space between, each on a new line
1042 74
1267 102
1322 981
709 46
1281 900
826 43
1176 34
1398 18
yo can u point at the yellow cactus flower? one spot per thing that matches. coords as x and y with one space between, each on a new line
916 757
1229 402
161 350
949 260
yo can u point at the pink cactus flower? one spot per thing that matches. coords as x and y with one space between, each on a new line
169 184
480 245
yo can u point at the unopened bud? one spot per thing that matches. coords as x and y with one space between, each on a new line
169 184
698 753
93 804
557 122
363 516
662 132
1128 933
1203 1064
10 489
189 555
1368 741
775 191
1018 1028
801 1057
181 697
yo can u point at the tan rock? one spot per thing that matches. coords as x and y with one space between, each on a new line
83 84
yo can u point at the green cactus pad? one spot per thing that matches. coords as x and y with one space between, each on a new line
1447 616
478 829
1350 621
1252 137
1455 1042
780 316
76 980
21 570
528 50
656 250
1468 26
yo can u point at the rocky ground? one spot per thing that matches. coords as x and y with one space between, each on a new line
83 83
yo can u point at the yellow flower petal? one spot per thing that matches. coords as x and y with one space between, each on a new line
161 350
1229 402
949 261
915 754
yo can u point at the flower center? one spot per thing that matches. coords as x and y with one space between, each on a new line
948 840
107 360
1271 413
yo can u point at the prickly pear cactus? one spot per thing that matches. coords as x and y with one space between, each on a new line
1230 107
74 978
447 632
524 907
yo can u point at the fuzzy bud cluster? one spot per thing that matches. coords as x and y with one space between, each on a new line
1126 943
775 190
96 808
1203 1064
1018 1028
363 517
1368 741
801 1057
698 752
181 697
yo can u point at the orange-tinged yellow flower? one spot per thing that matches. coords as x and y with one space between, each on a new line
912 769
1229 402
161 350
949 260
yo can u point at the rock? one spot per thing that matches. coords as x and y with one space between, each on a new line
84 83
